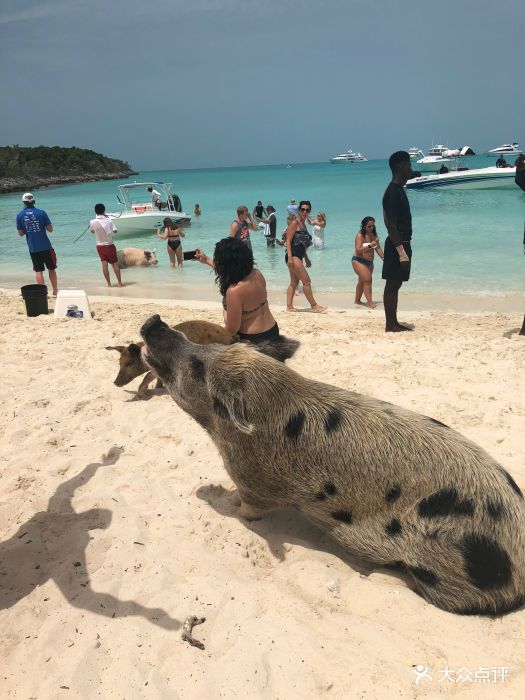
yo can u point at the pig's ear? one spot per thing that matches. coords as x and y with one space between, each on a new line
118 348
134 349
229 403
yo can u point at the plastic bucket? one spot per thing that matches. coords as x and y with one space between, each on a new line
35 297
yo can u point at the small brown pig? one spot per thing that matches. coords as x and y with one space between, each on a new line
132 365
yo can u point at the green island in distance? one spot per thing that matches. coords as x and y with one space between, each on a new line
30 168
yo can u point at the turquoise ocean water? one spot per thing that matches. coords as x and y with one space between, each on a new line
465 242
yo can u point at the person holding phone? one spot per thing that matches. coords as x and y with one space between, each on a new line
243 290
172 235
297 241
366 242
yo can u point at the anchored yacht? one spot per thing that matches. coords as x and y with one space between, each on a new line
415 152
508 149
349 157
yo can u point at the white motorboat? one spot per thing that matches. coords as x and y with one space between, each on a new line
349 157
433 163
140 208
415 153
441 156
508 149
478 179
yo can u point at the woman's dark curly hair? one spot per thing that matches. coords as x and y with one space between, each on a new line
233 260
365 221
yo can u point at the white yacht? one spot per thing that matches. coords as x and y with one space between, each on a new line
478 179
508 149
439 156
140 213
349 157
415 153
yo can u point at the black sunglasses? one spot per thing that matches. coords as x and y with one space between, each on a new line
305 209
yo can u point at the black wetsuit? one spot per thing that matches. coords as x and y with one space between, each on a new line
398 221
259 211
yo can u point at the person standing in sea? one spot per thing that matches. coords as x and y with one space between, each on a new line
35 224
241 226
398 250
103 227
270 224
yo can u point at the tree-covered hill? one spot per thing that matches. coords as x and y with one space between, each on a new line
23 167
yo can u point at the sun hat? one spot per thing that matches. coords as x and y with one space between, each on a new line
28 197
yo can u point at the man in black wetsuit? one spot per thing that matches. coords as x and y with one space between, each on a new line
397 250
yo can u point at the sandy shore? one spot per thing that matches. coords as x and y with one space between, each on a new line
103 558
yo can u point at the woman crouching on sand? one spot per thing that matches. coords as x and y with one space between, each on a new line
366 242
172 234
297 241
243 290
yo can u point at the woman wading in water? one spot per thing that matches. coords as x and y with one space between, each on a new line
297 241
366 242
172 234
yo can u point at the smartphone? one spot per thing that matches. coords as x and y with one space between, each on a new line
189 254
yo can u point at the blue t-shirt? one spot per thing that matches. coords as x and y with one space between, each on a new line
34 221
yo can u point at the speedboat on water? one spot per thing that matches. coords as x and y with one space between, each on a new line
140 208
349 157
508 149
415 152
441 156
476 179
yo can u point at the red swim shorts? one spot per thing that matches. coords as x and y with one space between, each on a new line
107 253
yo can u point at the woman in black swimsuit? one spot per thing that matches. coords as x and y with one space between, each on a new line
366 242
243 290
297 241
172 234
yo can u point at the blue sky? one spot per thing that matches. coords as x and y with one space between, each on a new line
205 83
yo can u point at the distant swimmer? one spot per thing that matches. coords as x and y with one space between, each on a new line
259 211
197 211
292 208
35 224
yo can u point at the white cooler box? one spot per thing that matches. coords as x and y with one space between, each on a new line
70 297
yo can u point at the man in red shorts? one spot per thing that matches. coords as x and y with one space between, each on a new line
104 228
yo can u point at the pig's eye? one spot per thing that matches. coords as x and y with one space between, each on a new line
129 363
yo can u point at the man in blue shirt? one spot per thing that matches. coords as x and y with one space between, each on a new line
34 224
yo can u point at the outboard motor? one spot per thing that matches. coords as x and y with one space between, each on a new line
174 202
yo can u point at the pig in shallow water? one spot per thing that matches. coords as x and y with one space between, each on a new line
136 257
390 485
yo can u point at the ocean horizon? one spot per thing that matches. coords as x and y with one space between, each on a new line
466 242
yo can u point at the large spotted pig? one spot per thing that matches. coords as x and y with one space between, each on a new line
390 485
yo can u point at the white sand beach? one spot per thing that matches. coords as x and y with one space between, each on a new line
117 522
